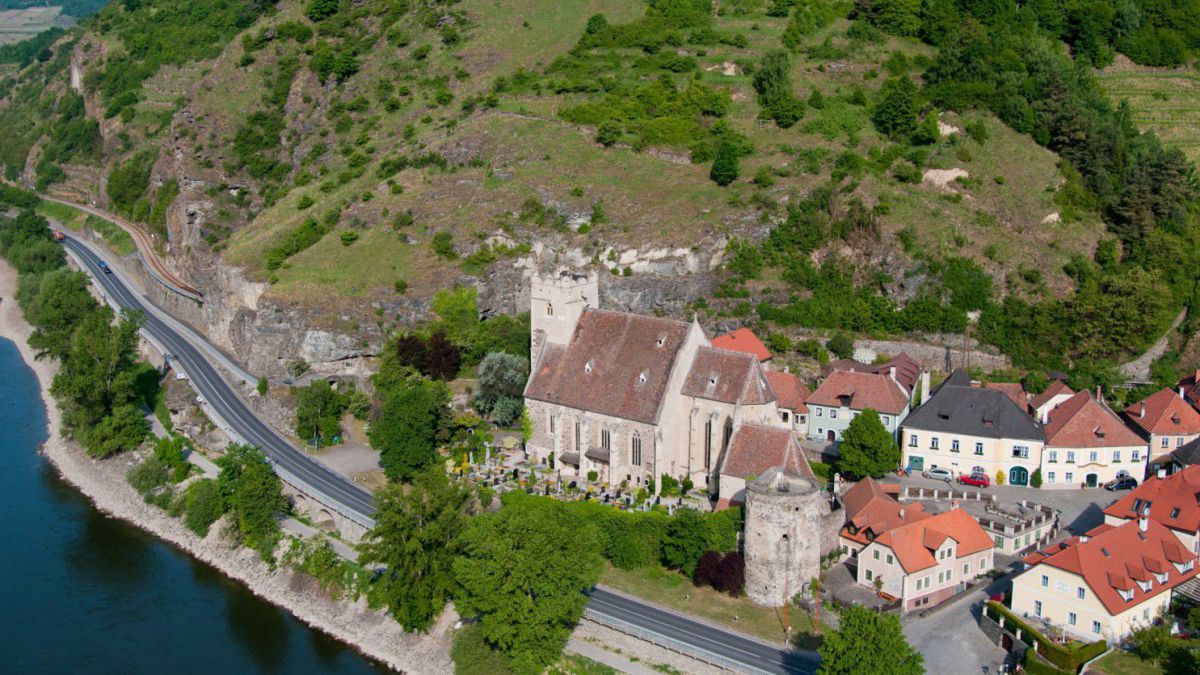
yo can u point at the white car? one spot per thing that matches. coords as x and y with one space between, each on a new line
938 473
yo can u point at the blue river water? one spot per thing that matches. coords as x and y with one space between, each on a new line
84 593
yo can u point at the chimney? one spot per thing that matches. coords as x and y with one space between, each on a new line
1181 392
1099 393
1142 412
1143 523
1161 473
901 514
924 386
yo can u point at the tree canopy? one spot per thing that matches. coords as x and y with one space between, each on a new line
868 642
867 447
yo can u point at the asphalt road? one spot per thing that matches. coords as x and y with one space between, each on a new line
224 399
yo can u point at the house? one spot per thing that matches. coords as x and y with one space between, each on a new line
871 509
845 394
969 429
1185 455
927 560
754 449
1055 393
1107 583
902 367
1088 445
790 397
633 397
1172 501
745 341
1166 421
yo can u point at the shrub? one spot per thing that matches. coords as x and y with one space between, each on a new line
443 245
842 346
348 237
731 574
202 505
1152 642
726 167
1035 478
706 568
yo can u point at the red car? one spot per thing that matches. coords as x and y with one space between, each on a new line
975 479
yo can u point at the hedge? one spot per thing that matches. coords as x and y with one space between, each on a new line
1034 665
1065 658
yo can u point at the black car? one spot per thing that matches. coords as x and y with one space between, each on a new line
1123 483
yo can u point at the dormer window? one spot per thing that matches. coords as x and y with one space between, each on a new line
1174 513
662 339
712 380
1125 595
1104 551
587 368
642 377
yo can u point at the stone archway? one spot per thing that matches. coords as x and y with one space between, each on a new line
300 505
324 520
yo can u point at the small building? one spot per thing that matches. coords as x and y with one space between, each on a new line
926 561
1107 583
753 450
1186 455
1088 445
872 509
1166 421
1169 500
745 341
969 429
1055 393
845 394
790 397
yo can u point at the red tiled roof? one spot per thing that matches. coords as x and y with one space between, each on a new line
755 448
860 391
870 506
1013 390
1083 422
916 542
730 377
1177 494
1164 413
790 392
1112 556
615 364
908 371
743 340
1056 387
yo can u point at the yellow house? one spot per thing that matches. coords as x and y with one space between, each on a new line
969 429
1105 584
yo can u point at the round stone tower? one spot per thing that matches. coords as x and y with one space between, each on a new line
786 520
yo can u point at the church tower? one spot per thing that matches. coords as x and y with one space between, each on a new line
555 303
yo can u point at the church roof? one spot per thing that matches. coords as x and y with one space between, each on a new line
727 376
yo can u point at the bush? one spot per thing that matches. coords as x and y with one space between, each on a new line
1151 643
731 574
706 568
842 346
1035 478
443 245
202 506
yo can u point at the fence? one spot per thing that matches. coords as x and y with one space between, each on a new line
698 653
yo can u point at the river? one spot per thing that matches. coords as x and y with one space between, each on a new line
81 592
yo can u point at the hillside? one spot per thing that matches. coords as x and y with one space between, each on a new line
297 157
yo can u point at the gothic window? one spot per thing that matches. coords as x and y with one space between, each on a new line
549 309
551 416
728 434
604 439
578 436
635 450
708 443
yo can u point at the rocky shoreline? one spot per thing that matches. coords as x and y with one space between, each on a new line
371 632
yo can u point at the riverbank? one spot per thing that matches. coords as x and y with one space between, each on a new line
373 633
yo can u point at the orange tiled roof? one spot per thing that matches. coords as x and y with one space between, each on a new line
1115 558
1164 413
871 507
755 448
790 392
1084 422
743 340
860 391
1173 501
915 543
1056 387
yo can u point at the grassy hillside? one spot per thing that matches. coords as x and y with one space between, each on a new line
1166 100
356 149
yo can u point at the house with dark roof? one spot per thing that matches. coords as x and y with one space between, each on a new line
632 397
924 561
1107 583
970 429
1167 421
1087 445
1170 500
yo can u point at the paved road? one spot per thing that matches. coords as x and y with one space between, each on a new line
229 406
761 656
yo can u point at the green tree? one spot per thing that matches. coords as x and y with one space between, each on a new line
726 166
896 108
415 540
502 380
842 346
251 490
688 537
202 506
318 411
319 10
868 642
55 303
867 448
405 432
522 573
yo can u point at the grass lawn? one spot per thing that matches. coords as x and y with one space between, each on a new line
675 591
1124 663
75 220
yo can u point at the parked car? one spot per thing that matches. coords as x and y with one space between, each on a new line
1123 483
938 473
975 479
105 268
